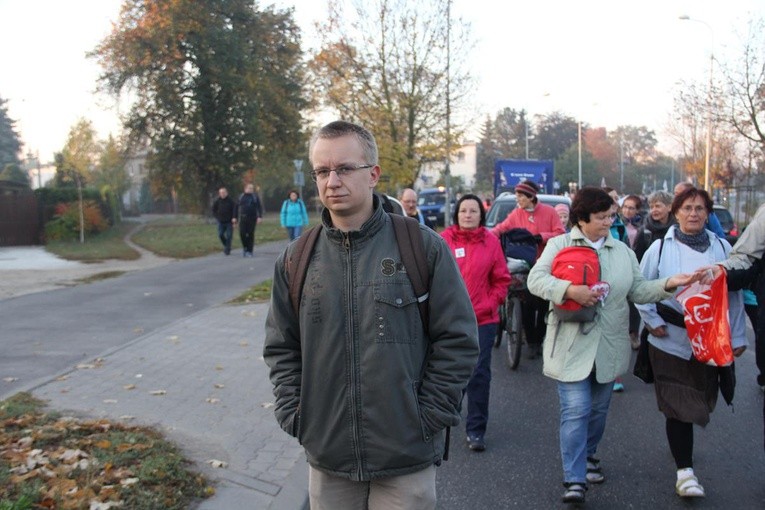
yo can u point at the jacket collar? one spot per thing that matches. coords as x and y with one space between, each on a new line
367 230
577 237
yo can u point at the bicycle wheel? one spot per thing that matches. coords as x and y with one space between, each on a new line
501 324
514 330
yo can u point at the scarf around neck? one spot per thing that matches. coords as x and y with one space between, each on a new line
697 242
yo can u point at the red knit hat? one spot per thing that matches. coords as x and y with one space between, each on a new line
526 190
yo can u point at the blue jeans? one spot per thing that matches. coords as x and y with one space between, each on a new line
480 381
583 410
225 232
294 232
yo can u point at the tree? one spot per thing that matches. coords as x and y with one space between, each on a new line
554 134
10 145
745 87
12 172
217 87
77 161
385 66
110 171
486 154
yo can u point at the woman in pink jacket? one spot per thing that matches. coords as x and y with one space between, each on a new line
542 221
484 269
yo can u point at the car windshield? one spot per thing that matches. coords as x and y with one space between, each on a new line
504 205
431 199
726 220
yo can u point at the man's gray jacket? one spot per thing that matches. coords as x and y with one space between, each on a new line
355 378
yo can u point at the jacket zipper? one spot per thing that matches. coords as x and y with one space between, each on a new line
352 353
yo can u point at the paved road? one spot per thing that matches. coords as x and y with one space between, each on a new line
45 333
521 465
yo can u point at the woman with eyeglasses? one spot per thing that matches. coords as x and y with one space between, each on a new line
686 390
586 361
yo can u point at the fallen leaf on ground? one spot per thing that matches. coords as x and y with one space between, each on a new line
129 481
110 401
129 386
244 343
218 367
137 330
267 405
10 379
212 400
158 392
217 463
62 378
220 386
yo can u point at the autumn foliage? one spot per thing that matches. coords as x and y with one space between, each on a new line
66 220
53 462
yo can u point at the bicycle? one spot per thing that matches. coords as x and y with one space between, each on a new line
510 320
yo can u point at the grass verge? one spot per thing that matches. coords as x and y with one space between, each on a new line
184 237
260 293
97 247
50 461
105 275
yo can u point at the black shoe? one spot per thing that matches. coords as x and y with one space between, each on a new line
227 251
534 351
476 443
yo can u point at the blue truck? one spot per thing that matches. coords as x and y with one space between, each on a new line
509 172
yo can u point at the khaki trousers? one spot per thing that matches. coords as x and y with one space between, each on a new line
415 491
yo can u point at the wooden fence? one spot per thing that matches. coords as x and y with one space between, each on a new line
19 220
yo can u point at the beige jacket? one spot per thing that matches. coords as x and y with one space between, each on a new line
569 354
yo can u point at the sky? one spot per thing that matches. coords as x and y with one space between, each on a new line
605 62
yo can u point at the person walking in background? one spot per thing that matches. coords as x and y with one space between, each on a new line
659 218
294 215
542 221
585 365
482 264
408 199
563 213
250 214
224 210
686 390
636 239
367 384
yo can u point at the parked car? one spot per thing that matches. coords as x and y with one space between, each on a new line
432 203
727 223
505 203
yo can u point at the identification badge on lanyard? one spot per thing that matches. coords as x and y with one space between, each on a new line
459 253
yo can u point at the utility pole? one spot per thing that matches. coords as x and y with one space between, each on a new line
447 171
621 165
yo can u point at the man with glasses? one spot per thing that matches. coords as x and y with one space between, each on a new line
364 385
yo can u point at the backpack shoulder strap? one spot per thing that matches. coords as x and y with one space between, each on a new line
412 249
297 264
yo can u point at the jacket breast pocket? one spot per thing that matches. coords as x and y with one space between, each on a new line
397 317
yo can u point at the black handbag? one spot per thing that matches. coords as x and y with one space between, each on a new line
642 369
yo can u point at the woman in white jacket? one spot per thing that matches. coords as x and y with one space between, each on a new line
686 390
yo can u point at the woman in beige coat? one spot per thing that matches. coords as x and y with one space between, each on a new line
586 360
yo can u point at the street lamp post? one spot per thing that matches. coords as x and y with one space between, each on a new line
708 143
579 182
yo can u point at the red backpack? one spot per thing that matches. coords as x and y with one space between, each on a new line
580 266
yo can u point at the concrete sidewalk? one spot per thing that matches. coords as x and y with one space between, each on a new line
203 382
